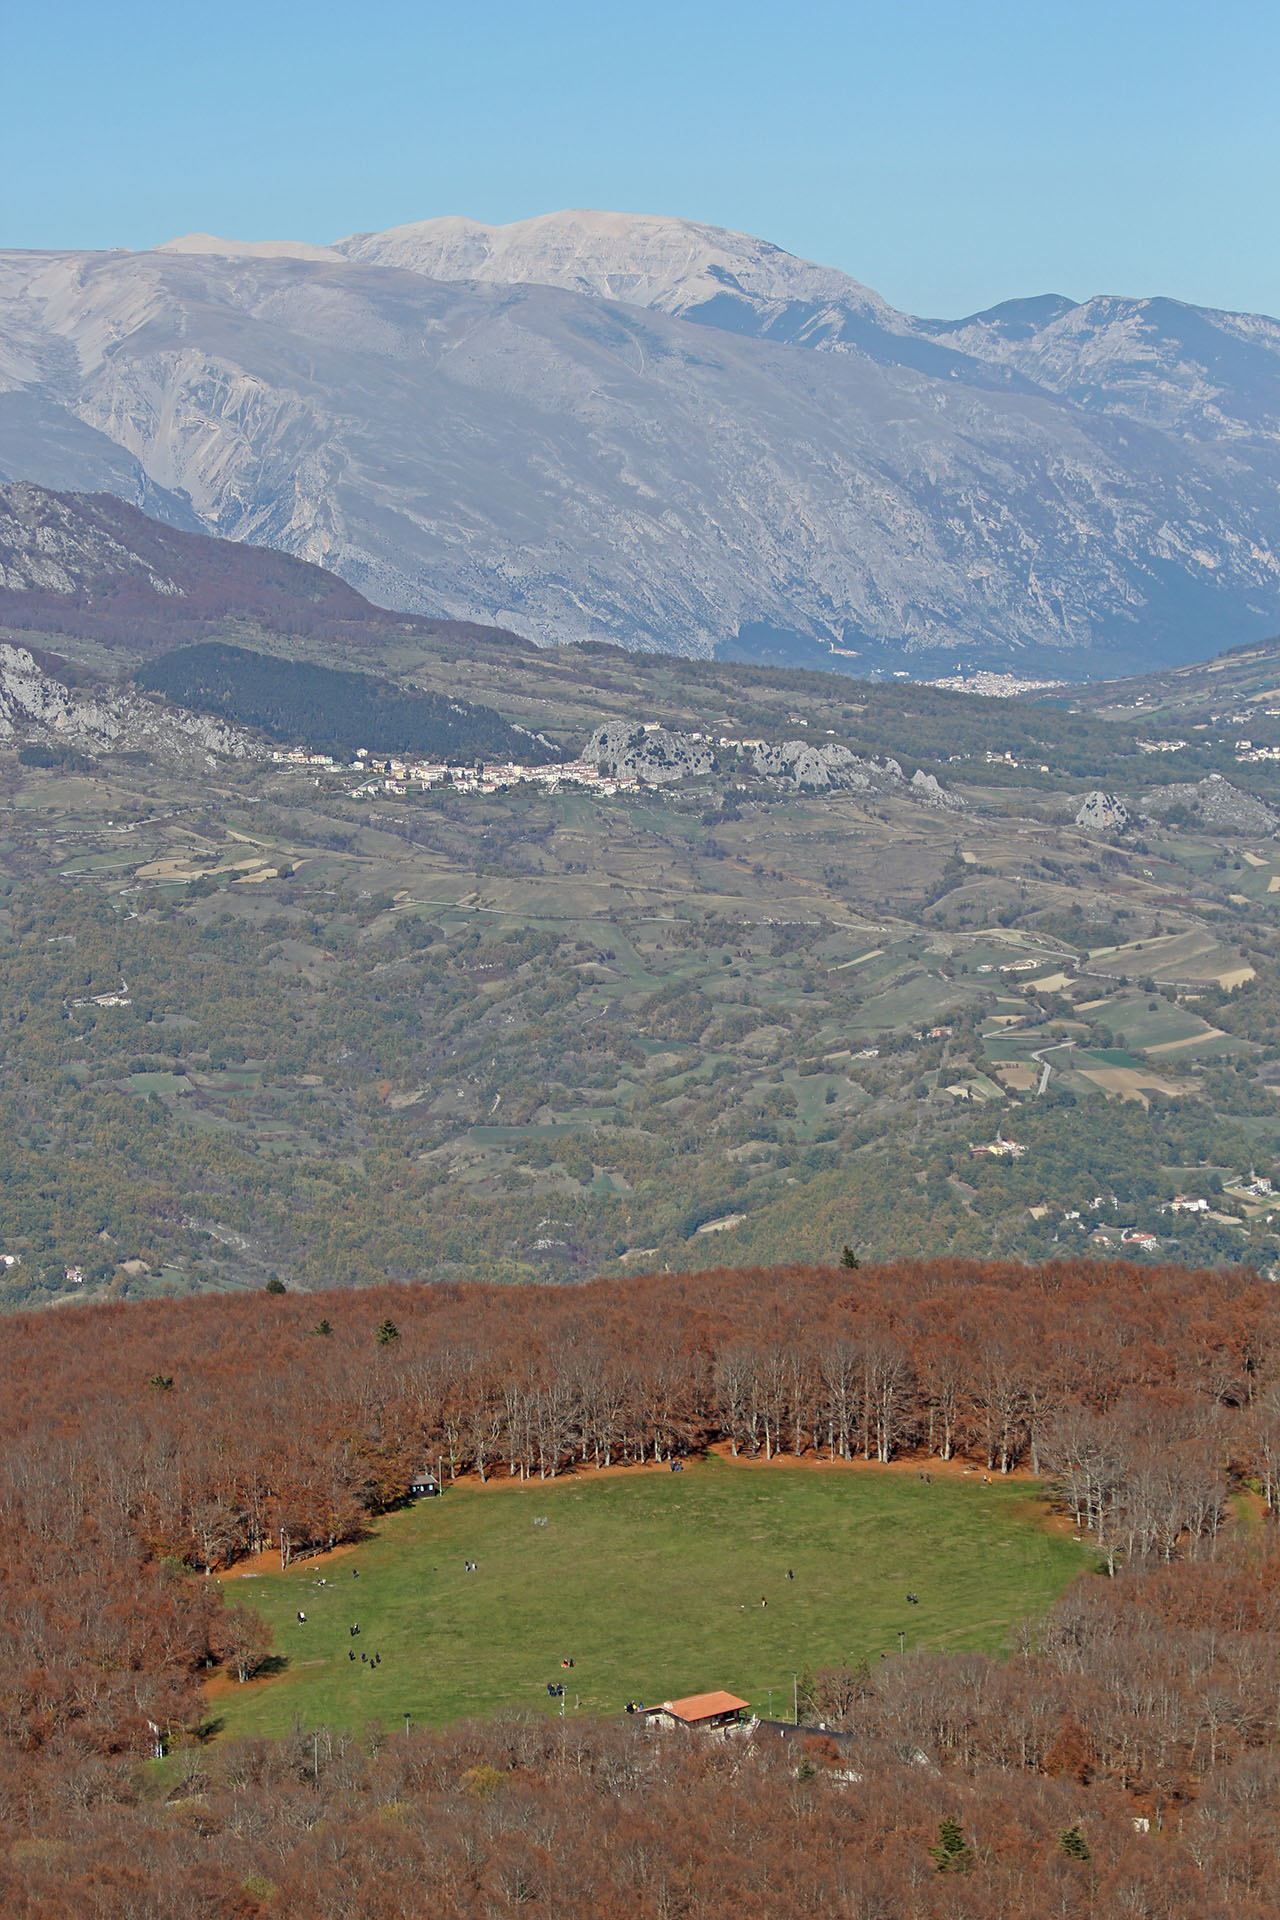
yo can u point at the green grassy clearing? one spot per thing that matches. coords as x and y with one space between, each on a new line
1144 1026
811 1092
991 1089
1010 1049
652 1583
912 1003
154 1083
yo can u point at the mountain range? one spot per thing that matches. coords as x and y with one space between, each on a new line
645 430
92 566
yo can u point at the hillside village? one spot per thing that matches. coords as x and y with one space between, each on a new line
393 774
626 757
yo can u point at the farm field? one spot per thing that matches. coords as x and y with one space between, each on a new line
412 1035
651 1582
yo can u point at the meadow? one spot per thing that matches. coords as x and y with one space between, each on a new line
652 1583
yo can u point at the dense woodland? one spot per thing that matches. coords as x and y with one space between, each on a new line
600 1822
189 1433
325 707
143 1443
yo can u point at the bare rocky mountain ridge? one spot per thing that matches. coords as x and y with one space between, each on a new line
1217 805
91 564
37 707
92 549
659 433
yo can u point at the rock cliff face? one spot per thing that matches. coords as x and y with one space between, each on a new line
1101 812
602 426
653 754
663 757
50 545
36 706
1215 804
836 766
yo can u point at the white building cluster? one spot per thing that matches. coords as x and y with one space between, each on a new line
392 773
993 686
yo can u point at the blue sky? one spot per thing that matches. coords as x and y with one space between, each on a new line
949 155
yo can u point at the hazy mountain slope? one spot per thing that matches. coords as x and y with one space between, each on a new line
1235 694
1211 376
1193 369
74 563
97 547
575 467
40 435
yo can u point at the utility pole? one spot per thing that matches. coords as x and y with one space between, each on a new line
902 1644
795 1695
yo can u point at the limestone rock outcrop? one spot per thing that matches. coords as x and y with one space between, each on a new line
1214 803
1103 813
661 757
649 753
36 706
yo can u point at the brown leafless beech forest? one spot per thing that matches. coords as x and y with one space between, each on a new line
142 1444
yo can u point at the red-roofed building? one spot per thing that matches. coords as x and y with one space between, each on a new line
706 1710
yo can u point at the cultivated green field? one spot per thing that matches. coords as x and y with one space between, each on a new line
652 1583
